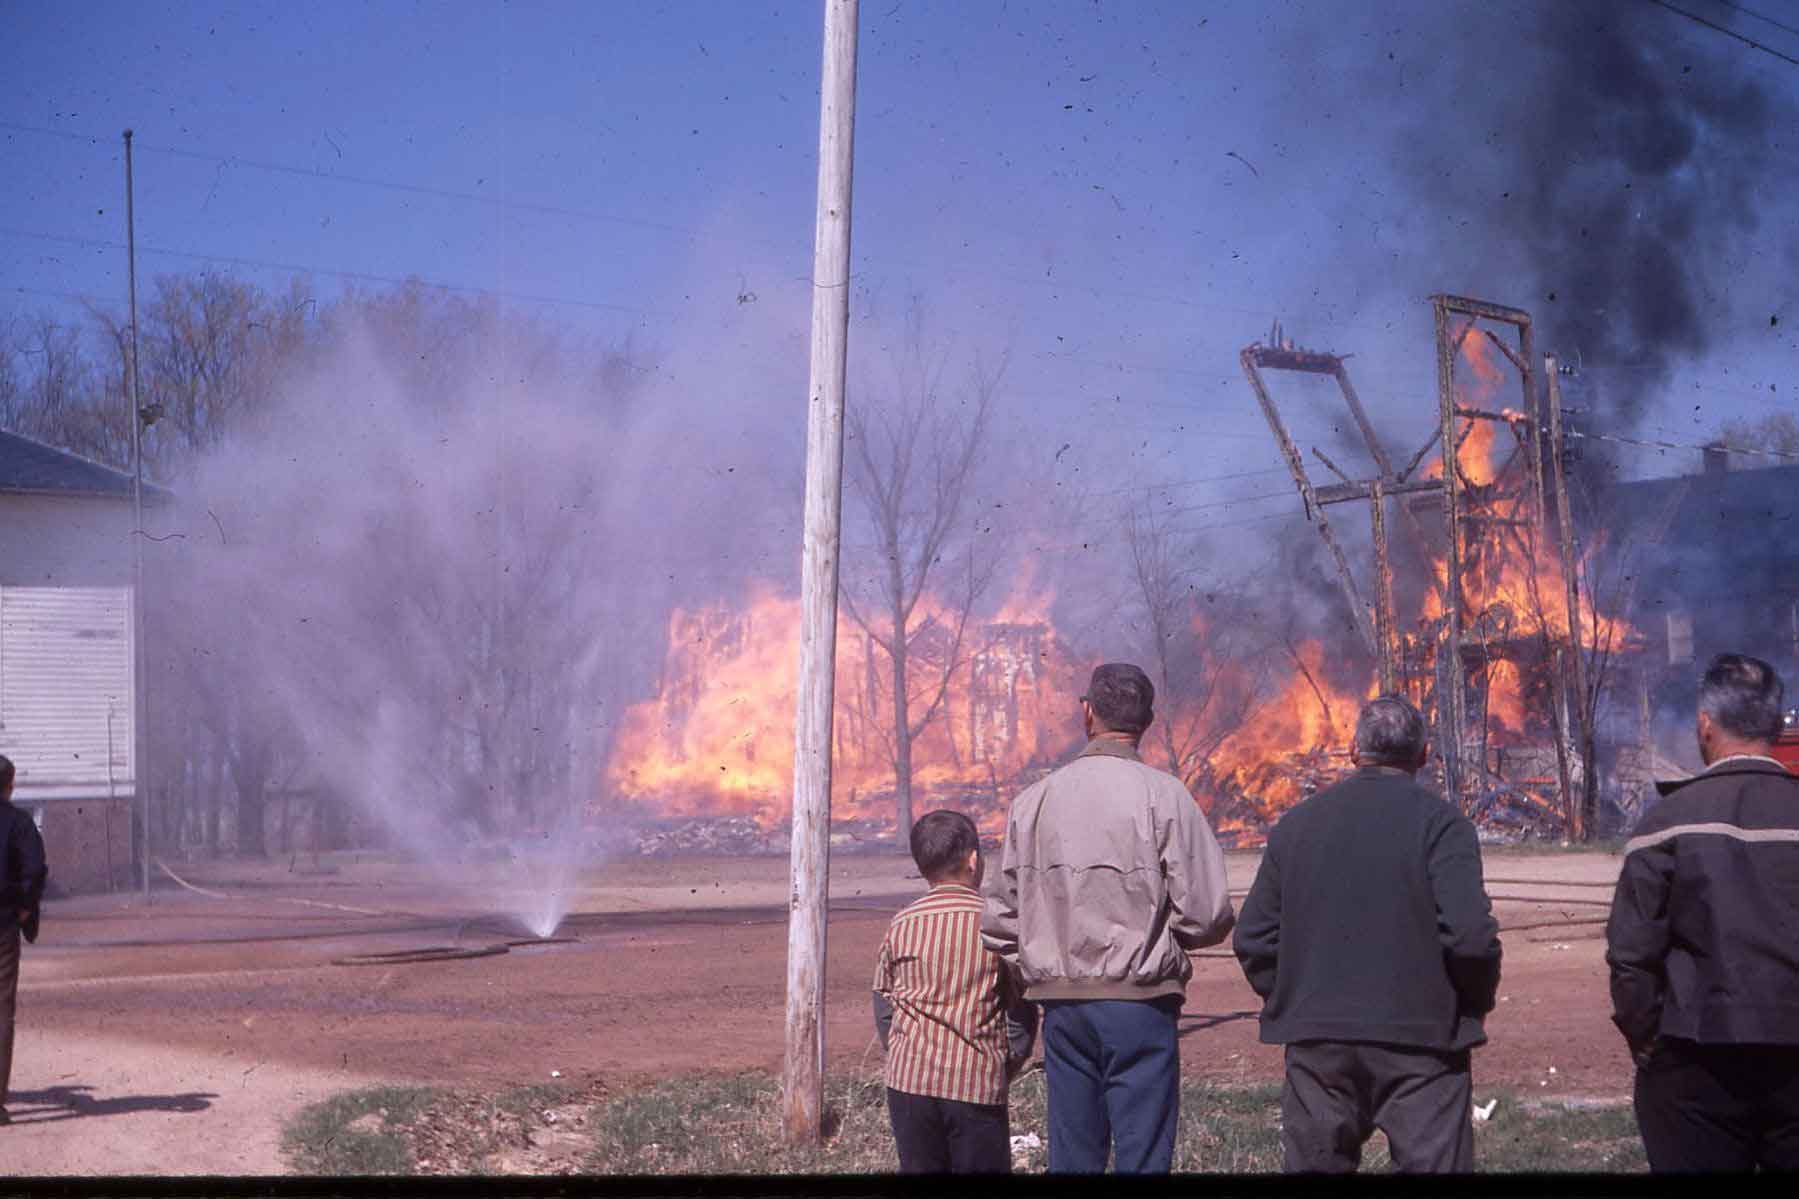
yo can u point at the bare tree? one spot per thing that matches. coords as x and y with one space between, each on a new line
913 453
52 391
1202 643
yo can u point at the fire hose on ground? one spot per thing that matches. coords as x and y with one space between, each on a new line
1238 893
398 957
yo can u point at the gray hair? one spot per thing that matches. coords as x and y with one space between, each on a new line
1389 732
1743 696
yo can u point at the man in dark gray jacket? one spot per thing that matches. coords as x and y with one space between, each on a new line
1703 942
1369 936
22 875
1108 876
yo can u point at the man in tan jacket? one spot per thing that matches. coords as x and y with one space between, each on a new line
1108 876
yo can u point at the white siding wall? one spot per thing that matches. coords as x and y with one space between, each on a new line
65 690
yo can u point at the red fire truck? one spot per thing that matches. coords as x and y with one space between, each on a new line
1786 748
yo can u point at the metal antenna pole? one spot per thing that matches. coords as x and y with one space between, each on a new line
140 692
802 1084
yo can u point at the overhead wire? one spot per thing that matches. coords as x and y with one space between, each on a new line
585 214
362 181
1750 12
1725 30
1677 445
357 276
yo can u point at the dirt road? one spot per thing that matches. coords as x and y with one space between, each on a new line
190 1030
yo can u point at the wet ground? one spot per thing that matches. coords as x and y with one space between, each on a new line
678 966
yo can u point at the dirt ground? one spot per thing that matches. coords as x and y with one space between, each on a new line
193 1025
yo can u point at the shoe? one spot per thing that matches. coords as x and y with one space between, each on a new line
4 1118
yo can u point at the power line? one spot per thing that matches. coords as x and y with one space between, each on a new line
358 276
1726 31
1750 12
1273 470
1679 445
57 295
417 189
1102 544
614 218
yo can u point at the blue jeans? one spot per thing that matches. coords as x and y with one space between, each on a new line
1113 1067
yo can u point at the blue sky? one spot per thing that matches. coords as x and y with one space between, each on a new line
1117 196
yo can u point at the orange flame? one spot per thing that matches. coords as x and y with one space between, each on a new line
718 737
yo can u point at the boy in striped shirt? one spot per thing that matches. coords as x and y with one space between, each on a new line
949 1014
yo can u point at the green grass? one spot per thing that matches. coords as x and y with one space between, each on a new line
731 1125
359 1132
1549 1136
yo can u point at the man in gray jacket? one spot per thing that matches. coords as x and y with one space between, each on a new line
1108 876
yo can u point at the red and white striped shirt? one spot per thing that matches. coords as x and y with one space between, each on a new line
949 995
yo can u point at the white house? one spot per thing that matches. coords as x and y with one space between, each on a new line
67 713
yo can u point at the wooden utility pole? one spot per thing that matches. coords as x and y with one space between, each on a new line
140 720
1586 809
802 1086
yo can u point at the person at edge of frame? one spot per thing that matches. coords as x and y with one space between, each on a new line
1703 942
22 877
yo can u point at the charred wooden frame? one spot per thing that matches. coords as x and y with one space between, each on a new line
1377 626
1514 505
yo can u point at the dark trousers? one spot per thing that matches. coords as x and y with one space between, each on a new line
1719 1107
1113 1067
946 1136
1338 1092
9 994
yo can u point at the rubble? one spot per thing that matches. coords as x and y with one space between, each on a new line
708 835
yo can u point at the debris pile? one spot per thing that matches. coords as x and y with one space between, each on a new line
708 835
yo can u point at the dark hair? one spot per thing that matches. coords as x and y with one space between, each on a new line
1743 696
941 841
6 773
1121 697
1389 732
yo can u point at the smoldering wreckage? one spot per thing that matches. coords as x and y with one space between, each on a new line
1494 586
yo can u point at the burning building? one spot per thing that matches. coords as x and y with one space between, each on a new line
1495 632
717 738
1478 600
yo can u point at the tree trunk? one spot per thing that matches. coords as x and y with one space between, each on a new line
215 801
251 804
902 733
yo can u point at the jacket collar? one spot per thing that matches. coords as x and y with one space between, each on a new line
1111 747
1735 764
1382 772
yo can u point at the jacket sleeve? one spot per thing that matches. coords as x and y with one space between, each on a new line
1636 942
883 1009
22 868
1193 867
999 902
1021 1019
1258 938
35 871
1465 923
883 1006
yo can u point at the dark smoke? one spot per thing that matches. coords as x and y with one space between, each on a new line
1623 175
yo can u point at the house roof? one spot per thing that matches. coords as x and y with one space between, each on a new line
1727 532
33 468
